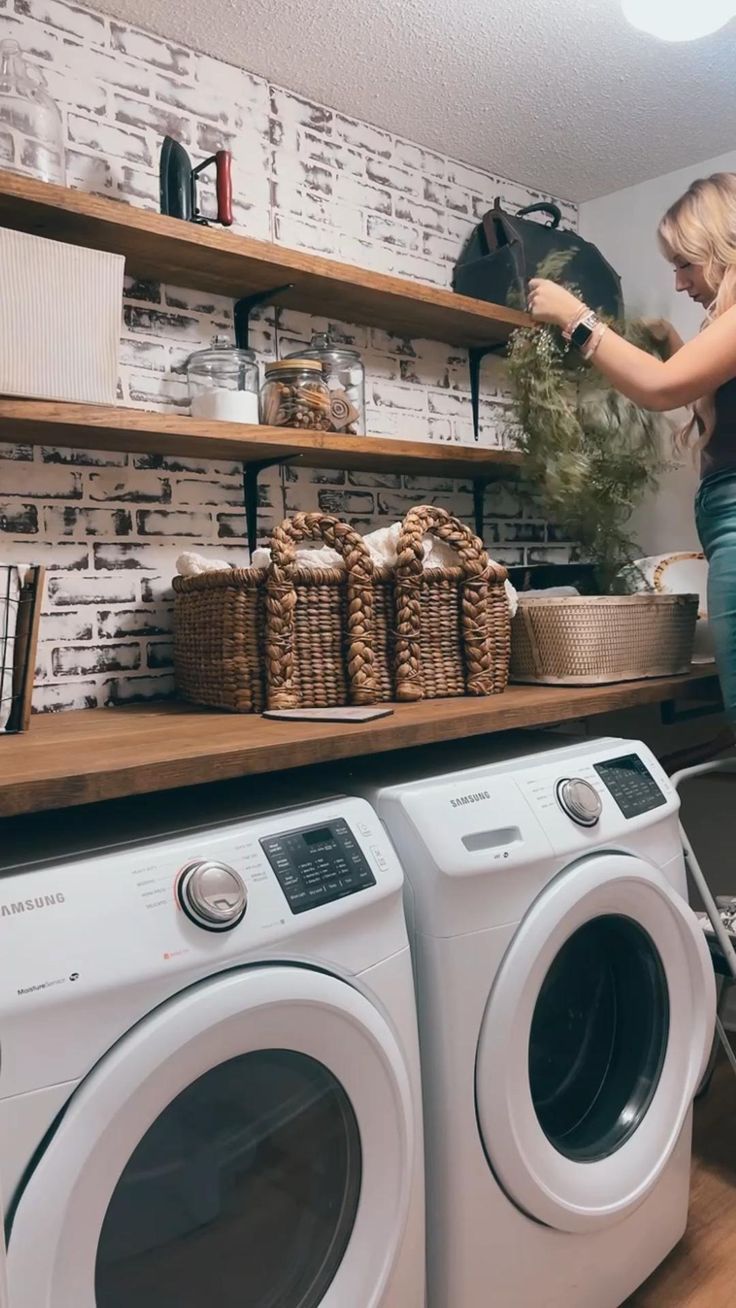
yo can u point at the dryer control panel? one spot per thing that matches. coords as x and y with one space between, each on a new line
631 784
318 864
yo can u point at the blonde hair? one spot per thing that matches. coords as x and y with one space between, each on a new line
700 228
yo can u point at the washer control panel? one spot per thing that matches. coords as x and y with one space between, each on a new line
631 784
318 864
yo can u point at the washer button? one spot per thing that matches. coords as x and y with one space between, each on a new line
580 801
213 895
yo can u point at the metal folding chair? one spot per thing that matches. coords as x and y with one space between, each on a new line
695 871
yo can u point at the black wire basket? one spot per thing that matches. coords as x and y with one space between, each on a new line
21 594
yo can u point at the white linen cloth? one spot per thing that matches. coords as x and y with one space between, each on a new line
382 546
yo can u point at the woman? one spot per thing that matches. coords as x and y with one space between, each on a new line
698 236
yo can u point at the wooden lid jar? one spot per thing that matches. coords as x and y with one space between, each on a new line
295 394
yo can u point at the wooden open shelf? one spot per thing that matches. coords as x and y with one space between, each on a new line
101 427
208 258
82 757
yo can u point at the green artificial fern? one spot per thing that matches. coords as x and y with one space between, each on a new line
590 454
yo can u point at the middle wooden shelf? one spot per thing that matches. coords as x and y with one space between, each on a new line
87 426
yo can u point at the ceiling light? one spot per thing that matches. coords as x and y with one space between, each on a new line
679 20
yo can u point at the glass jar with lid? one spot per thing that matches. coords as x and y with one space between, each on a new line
345 376
30 118
223 382
295 394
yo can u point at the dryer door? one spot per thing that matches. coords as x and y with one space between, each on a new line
249 1144
594 1040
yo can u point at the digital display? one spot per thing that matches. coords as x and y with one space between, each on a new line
317 865
322 836
631 784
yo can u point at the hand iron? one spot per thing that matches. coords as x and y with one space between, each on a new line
178 181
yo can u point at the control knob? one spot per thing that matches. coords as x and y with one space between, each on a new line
580 801
212 894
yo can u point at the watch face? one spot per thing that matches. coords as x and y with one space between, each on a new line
581 335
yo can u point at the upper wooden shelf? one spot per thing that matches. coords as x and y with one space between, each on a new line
207 258
82 757
90 426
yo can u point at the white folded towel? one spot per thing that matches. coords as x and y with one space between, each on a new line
190 564
382 546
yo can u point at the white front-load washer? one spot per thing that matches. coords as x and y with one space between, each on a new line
566 1011
209 1092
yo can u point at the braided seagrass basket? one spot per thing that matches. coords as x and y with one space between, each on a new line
295 637
328 630
287 636
219 631
453 632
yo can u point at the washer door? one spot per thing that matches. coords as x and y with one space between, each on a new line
594 1040
249 1144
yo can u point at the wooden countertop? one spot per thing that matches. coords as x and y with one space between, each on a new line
82 757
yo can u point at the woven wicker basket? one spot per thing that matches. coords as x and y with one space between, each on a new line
589 641
219 626
328 630
287 636
296 637
452 624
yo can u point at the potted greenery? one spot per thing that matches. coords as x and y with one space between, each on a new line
590 457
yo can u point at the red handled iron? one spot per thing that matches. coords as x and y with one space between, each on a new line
178 184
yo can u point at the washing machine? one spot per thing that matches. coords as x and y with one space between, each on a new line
210 1068
566 1012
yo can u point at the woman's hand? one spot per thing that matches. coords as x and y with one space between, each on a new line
549 302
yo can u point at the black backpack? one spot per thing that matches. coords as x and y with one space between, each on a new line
504 252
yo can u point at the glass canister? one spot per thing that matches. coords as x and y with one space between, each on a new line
345 376
29 119
223 382
295 394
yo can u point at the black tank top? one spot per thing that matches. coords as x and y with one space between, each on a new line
719 455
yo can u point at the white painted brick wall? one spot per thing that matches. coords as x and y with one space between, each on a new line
109 526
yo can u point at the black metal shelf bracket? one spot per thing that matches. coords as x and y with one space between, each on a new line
251 473
476 355
244 308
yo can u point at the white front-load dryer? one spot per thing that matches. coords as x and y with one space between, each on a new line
209 1091
566 1006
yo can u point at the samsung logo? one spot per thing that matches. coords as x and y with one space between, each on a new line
475 798
30 905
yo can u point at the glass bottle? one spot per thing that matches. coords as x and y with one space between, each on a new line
31 129
223 382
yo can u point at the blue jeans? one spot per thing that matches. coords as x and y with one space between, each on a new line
715 517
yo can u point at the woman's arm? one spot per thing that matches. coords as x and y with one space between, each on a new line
697 369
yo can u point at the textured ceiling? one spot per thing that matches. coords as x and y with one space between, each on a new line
559 94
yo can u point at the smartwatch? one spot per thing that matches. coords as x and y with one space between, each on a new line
582 332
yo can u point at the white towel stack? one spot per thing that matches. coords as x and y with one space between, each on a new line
382 546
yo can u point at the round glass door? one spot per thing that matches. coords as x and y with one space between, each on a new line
594 1039
244 1192
251 1143
598 1038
